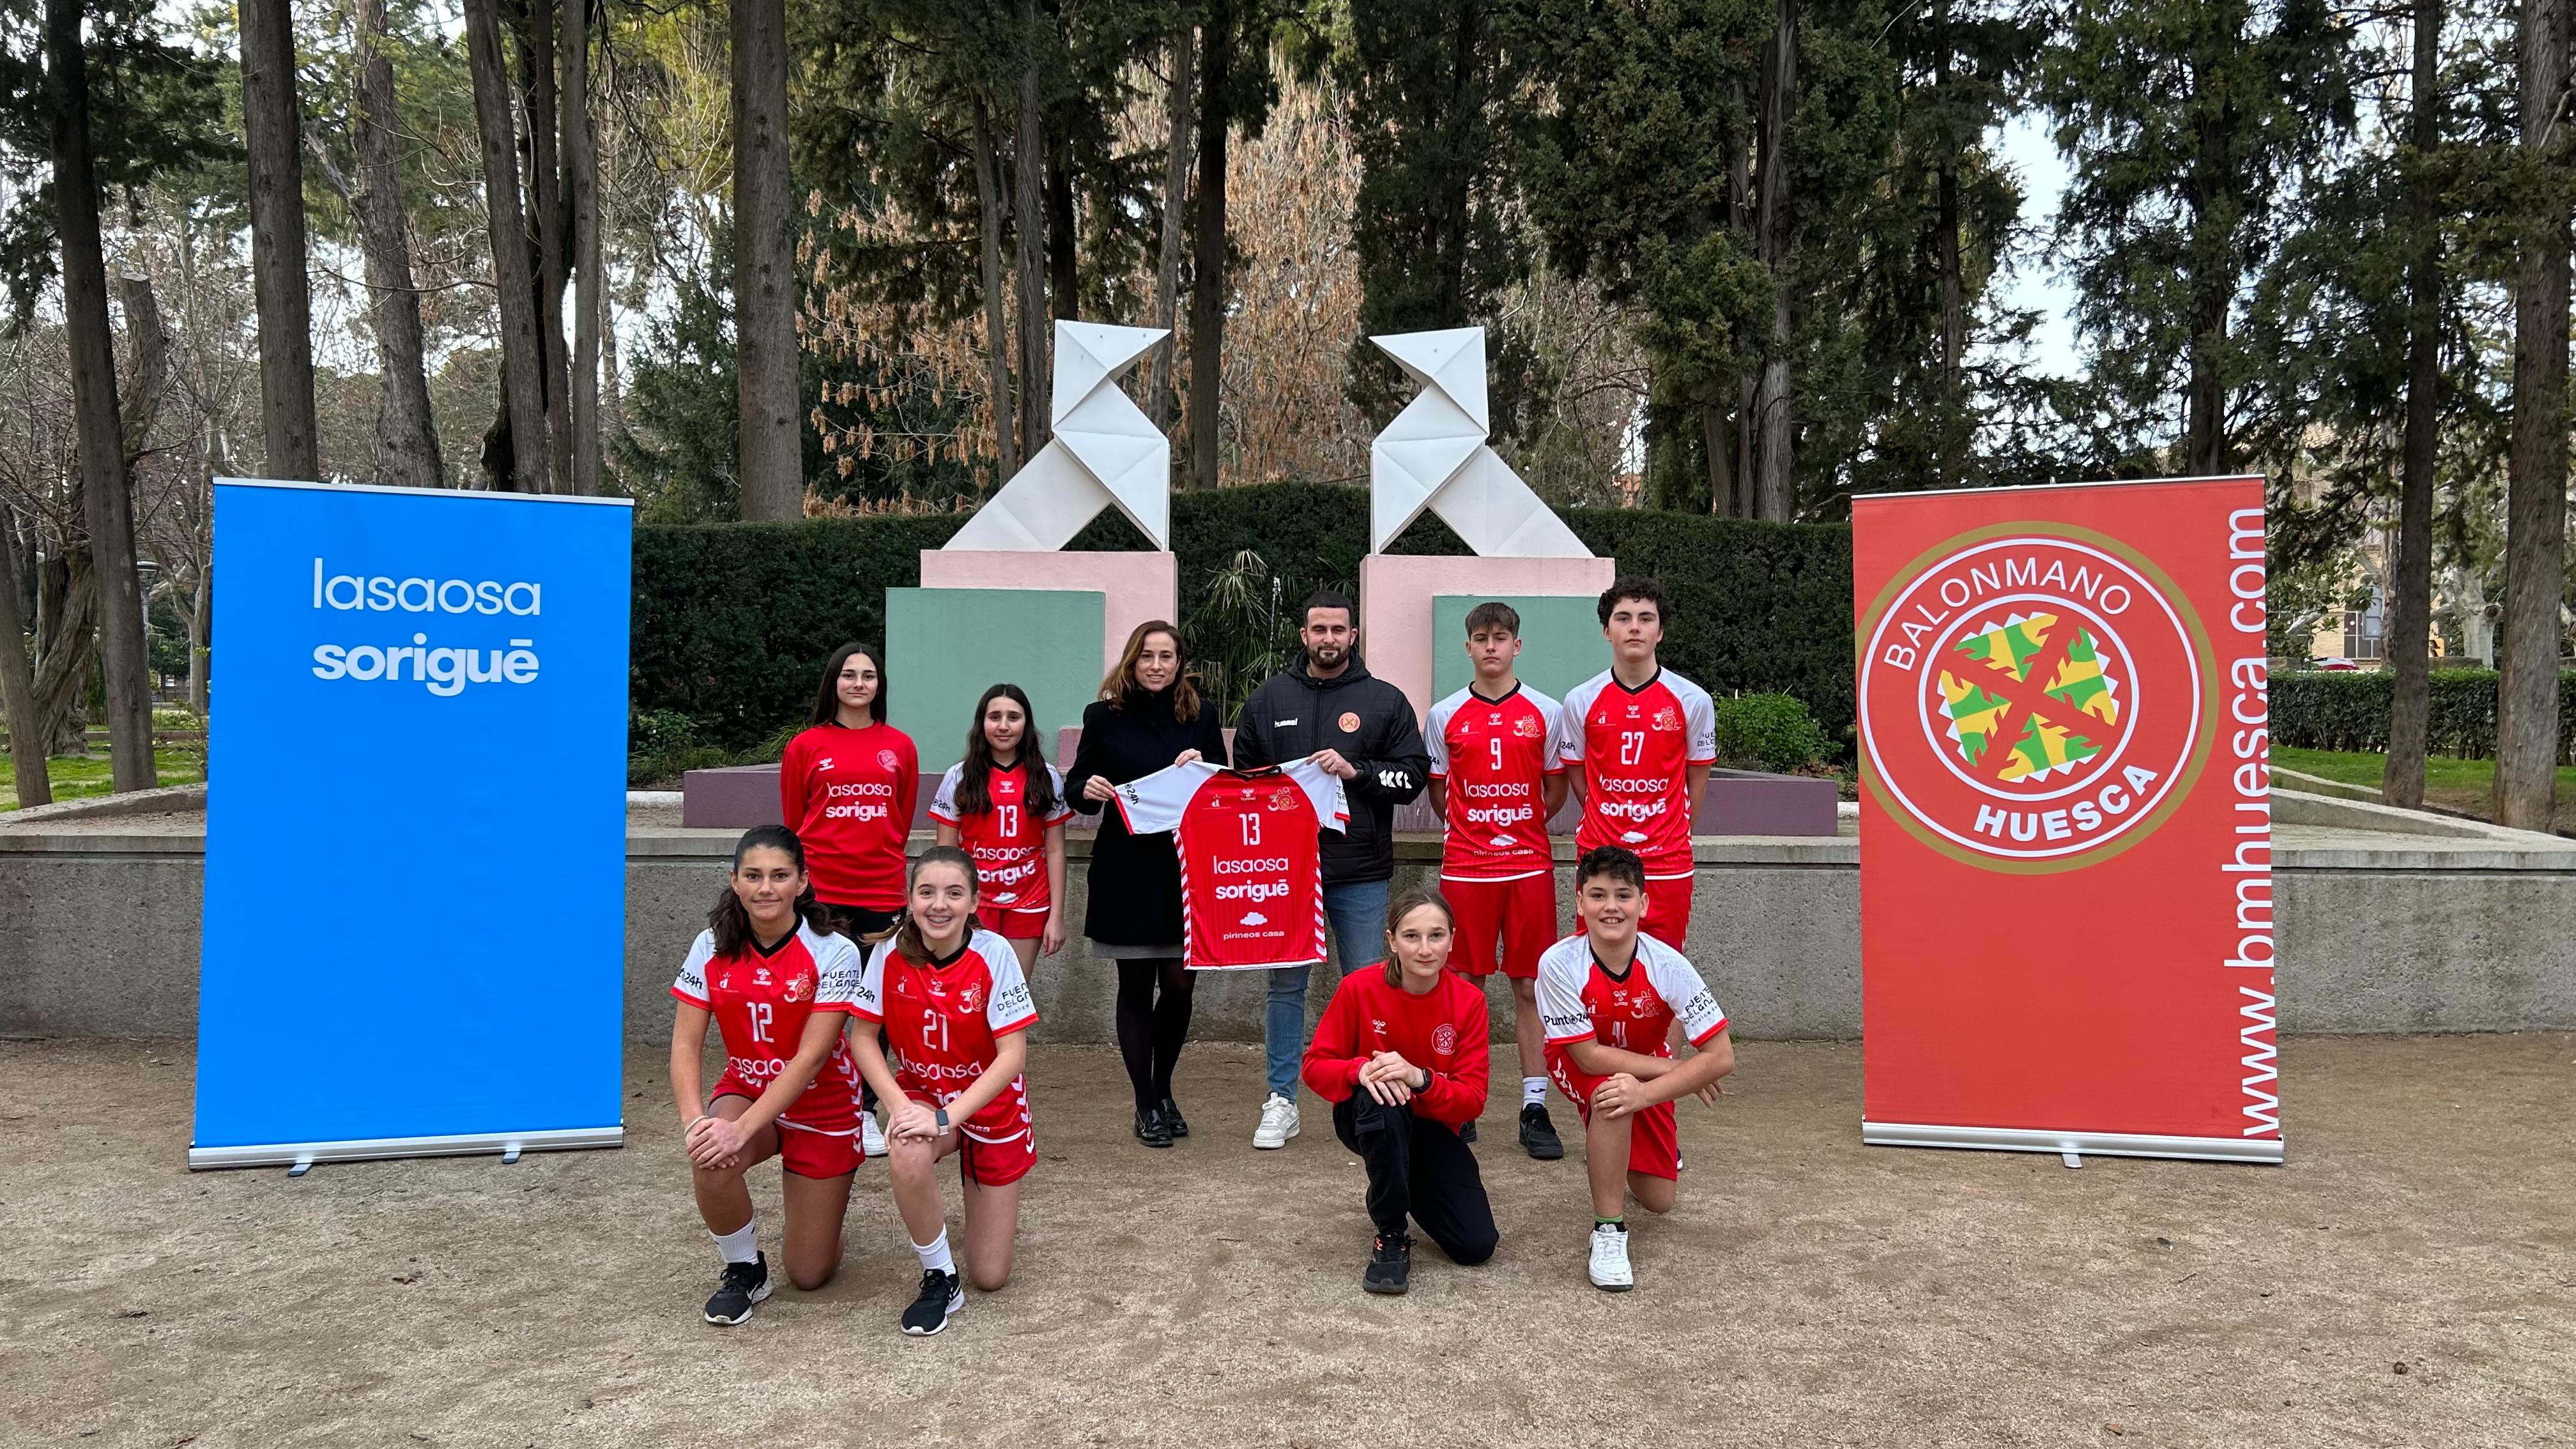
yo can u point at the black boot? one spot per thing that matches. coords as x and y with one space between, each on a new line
1152 1128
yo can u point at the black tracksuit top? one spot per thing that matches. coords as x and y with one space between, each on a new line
1294 714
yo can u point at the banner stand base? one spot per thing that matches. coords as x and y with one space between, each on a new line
298 1157
2071 1146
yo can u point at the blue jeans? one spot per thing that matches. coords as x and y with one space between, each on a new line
1357 912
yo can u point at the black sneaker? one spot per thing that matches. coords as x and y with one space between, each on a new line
1172 1119
744 1284
1539 1134
1153 1128
941 1295
1467 1134
1390 1263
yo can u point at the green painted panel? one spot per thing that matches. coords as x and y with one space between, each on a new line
1561 643
945 647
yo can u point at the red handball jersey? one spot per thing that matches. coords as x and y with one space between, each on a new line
1634 1012
1493 757
1008 844
848 794
761 1001
1635 746
942 1019
1252 880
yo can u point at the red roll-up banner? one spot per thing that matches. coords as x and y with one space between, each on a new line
2065 823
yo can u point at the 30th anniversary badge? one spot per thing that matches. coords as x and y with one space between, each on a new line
2032 697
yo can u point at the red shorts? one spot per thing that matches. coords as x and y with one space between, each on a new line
1668 908
807 1151
1519 915
1654 1136
1017 925
997 1146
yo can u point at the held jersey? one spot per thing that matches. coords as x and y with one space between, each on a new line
1493 757
1252 883
1636 747
1007 843
942 1019
761 1001
848 795
1634 1012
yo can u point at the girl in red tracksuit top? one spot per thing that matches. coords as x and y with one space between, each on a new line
847 788
1401 1055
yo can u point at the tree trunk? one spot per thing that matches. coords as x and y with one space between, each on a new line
1954 311
546 200
18 685
147 383
272 127
522 355
581 185
107 503
1721 459
997 336
1064 273
403 423
764 266
1207 259
66 646
2536 485
1028 214
197 619
2210 277
1167 263
2410 605
1774 496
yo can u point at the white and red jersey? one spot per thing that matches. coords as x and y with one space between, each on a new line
942 1018
848 794
1006 841
1493 758
761 1000
1252 882
1636 747
1634 1011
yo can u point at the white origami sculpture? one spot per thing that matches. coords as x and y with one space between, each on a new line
1434 455
1105 450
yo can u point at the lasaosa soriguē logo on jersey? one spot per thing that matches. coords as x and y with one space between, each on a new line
2033 697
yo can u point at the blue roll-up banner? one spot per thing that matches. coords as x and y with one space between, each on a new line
416 839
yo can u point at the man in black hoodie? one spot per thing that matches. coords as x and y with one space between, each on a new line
1329 709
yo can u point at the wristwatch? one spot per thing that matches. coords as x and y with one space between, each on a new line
941 1116
1426 1079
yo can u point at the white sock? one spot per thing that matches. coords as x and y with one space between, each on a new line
742 1245
934 1254
1533 1091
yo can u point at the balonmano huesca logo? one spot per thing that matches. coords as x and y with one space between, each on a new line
2033 697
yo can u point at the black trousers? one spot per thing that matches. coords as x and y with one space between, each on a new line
858 923
1417 1167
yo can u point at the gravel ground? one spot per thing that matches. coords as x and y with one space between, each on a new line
2409 1278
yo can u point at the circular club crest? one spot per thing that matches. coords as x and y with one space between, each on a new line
2032 697
887 759
1444 1038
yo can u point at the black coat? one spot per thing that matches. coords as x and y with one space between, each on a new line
1292 715
1135 879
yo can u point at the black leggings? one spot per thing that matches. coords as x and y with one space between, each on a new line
858 923
1151 1030
1418 1168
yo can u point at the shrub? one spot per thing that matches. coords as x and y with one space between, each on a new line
2348 710
1768 732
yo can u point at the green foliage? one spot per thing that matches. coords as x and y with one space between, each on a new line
1768 732
677 458
662 745
2348 710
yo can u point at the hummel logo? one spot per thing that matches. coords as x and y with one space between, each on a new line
1281 724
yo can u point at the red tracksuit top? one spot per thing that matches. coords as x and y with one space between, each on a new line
848 794
1442 1031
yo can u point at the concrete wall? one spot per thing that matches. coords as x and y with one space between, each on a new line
98 935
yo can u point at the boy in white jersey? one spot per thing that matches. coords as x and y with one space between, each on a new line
1610 997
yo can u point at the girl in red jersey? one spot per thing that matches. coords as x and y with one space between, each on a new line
954 1006
779 986
1004 804
1401 1054
847 787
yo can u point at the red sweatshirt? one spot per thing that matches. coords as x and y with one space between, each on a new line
848 794
1442 1031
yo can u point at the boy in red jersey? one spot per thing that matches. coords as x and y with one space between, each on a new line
1641 740
955 1009
1610 997
779 990
1497 777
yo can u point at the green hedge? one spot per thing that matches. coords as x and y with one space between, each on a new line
2348 710
733 621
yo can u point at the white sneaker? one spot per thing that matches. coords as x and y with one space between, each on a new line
871 1138
1278 1123
1610 1271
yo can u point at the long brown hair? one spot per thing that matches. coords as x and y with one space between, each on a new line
827 699
730 923
1403 906
907 932
1119 686
975 771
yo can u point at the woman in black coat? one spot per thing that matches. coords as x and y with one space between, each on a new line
1148 717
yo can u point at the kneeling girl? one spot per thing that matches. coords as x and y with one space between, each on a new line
955 1007
779 986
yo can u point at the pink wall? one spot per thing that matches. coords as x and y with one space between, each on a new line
1396 591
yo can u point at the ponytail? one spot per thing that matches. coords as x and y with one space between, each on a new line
730 923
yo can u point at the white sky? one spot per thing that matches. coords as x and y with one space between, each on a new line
2033 280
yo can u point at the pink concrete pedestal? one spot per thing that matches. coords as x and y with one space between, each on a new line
1396 591
1134 587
